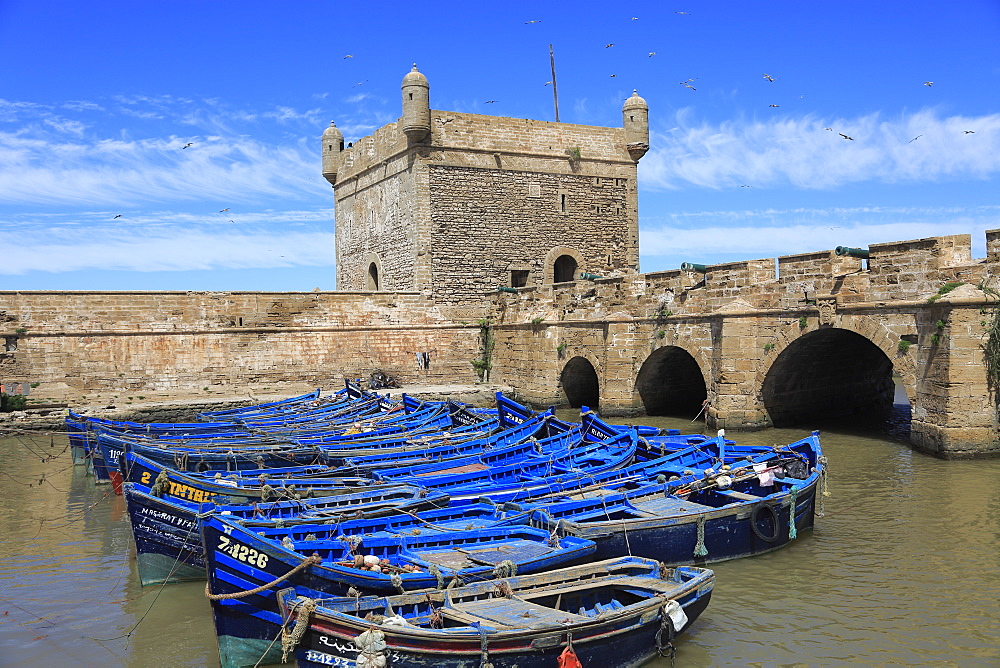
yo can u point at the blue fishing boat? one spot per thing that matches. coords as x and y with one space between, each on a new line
697 517
617 613
164 519
245 569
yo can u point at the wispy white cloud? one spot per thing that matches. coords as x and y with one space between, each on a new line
166 241
85 154
715 236
116 171
801 152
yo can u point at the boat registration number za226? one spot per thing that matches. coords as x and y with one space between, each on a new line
242 552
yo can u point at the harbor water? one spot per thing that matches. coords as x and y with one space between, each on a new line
903 568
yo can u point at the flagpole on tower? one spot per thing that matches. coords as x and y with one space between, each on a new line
555 91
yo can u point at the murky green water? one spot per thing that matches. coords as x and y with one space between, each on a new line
904 569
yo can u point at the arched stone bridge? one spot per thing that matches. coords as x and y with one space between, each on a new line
792 341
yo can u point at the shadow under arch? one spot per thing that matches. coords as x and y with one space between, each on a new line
580 383
670 382
827 375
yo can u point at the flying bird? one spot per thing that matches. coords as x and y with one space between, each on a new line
350 55
535 21
746 186
772 105
928 83
187 144
613 76
359 83
768 77
830 129
224 210
608 46
845 136
548 83
635 18
118 216
688 85
489 102
685 13
969 132
914 139
652 53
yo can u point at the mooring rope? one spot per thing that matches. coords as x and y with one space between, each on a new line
314 559
792 503
824 491
290 639
699 549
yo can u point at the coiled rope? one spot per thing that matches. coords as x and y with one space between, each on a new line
314 559
505 569
792 503
290 639
161 484
699 549
824 491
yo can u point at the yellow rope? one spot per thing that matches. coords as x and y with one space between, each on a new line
256 590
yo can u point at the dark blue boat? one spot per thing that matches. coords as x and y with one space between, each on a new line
243 568
168 544
698 517
617 613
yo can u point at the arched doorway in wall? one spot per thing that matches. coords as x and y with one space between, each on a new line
826 376
580 384
564 269
372 278
670 382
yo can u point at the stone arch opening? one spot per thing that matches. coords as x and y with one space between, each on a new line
827 375
371 280
670 382
580 384
568 260
564 269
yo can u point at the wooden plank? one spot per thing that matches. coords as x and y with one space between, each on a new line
513 611
739 495
468 468
668 505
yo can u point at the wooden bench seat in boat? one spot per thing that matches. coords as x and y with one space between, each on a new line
516 612
490 555
740 496
668 505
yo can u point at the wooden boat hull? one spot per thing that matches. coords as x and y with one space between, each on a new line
240 561
698 528
169 546
626 636
729 533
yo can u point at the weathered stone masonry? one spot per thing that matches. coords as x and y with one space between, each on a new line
104 342
822 337
454 205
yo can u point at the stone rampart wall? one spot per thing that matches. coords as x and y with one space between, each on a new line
147 341
748 324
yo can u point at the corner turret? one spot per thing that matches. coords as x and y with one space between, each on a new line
333 144
416 106
635 118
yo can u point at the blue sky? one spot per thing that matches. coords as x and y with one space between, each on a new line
98 100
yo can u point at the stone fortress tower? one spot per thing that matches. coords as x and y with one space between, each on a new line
455 204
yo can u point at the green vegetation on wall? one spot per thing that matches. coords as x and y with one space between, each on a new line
12 402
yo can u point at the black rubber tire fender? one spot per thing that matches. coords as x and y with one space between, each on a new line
755 515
